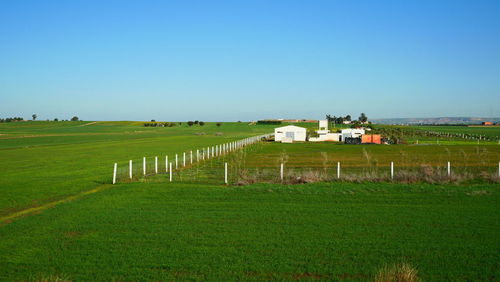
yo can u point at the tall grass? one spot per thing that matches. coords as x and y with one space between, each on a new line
401 272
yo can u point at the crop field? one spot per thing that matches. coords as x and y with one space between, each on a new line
442 135
61 219
47 161
339 162
492 131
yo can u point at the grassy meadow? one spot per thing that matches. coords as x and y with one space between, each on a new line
48 161
61 219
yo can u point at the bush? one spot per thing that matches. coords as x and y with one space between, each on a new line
201 123
218 124
75 118
159 124
190 123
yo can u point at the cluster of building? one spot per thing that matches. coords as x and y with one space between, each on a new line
293 133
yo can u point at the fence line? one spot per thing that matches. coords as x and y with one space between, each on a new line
210 152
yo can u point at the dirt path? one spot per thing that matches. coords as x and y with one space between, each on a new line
9 218
90 123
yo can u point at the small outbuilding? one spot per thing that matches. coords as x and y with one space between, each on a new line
352 133
289 134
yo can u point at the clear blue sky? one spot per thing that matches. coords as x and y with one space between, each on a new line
245 60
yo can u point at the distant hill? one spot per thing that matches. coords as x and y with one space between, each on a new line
438 120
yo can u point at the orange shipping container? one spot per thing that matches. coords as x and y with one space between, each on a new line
372 138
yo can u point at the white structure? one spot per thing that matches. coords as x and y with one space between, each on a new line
352 133
324 134
323 127
333 137
289 134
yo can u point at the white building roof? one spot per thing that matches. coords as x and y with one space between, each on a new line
290 128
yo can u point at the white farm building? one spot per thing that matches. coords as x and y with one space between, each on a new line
352 133
289 134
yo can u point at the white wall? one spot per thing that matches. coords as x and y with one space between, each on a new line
352 132
299 133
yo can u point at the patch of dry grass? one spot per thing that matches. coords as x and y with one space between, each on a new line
401 272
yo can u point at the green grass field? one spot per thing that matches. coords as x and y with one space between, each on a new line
48 161
75 225
492 131
318 231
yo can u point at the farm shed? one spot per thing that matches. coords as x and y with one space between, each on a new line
290 133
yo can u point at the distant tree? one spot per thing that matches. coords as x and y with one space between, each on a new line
196 122
34 116
363 117
329 118
56 119
355 124
180 123
347 118
190 123
153 120
201 123
218 124
339 120
75 118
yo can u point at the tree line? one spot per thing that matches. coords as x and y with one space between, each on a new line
154 123
34 116
341 119
11 119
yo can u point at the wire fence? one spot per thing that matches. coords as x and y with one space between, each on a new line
229 163
229 169
137 170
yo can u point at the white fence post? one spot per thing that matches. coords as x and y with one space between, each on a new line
225 173
114 173
130 169
144 165
176 161
281 172
449 169
170 171
338 170
191 156
166 163
392 170
184 159
156 165
197 155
